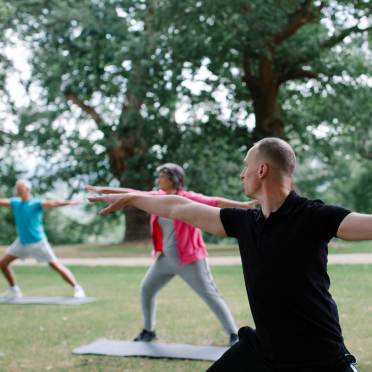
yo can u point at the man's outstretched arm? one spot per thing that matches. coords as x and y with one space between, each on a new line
200 215
221 202
356 226
47 204
5 203
228 203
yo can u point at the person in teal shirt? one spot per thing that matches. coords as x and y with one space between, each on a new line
28 217
31 240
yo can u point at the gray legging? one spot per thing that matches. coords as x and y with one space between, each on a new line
197 275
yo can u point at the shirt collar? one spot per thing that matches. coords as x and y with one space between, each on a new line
286 207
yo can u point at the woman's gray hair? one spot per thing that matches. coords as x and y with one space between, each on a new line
175 172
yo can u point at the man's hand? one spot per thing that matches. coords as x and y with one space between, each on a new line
115 202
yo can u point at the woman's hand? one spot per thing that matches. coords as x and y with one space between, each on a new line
115 202
252 204
95 189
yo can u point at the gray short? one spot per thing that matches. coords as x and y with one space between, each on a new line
40 251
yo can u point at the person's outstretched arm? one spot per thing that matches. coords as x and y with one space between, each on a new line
356 226
108 190
118 190
200 215
5 203
228 203
48 204
218 201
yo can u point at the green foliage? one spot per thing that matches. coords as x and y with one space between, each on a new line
362 190
8 177
103 56
7 227
63 230
112 76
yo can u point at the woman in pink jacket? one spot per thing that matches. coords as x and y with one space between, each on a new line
181 251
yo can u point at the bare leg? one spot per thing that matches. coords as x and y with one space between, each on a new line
4 265
65 273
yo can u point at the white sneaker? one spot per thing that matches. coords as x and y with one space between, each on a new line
79 292
12 293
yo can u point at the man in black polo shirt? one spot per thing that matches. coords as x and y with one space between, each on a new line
283 247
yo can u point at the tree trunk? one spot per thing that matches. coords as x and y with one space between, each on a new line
137 226
269 121
120 150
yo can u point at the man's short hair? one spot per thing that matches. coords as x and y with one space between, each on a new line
25 182
278 153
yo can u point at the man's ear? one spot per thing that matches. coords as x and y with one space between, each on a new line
263 170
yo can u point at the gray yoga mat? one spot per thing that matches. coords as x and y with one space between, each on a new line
151 349
47 300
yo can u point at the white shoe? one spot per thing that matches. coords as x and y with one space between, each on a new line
79 292
12 293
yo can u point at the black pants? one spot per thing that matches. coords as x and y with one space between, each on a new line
244 357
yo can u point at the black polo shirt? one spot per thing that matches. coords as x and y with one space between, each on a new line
284 260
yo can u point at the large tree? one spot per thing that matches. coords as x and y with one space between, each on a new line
111 75
106 95
91 62
259 50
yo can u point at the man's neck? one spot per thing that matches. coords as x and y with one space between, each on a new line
272 198
26 197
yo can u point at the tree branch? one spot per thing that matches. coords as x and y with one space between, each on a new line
303 14
335 39
298 73
329 43
87 109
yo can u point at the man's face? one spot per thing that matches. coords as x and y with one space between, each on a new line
21 189
249 175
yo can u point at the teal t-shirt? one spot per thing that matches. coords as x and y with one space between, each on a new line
28 216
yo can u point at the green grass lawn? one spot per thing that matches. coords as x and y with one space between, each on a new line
228 249
143 249
339 246
41 337
222 249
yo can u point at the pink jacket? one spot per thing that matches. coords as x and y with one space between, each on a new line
189 239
